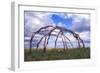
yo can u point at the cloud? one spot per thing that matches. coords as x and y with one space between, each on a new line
81 23
36 20
85 35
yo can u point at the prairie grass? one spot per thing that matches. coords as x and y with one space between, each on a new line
56 54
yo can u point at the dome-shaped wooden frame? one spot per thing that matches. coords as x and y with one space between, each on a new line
46 37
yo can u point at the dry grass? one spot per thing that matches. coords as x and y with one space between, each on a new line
56 54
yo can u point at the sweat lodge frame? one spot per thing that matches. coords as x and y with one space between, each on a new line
64 38
17 51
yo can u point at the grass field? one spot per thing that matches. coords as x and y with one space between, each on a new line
56 54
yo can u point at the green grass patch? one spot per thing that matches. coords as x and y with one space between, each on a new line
56 54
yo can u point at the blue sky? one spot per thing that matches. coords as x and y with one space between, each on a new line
79 23
65 21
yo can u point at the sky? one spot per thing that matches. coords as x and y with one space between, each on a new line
79 23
